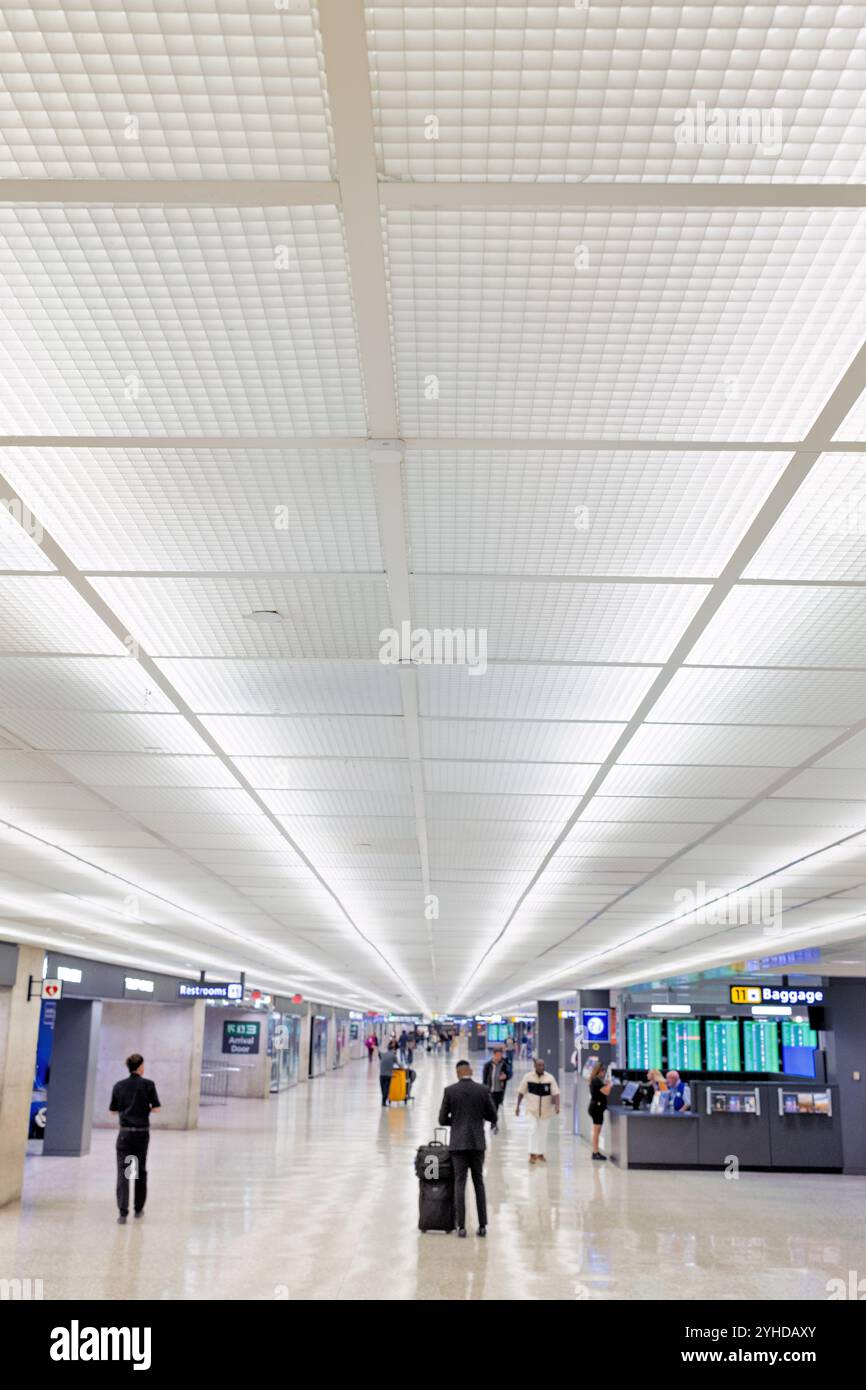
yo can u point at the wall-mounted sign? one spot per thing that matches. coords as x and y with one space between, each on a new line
134 985
52 989
208 991
241 1039
297 999
772 994
69 974
596 1024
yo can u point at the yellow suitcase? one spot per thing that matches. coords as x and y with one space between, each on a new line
398 1086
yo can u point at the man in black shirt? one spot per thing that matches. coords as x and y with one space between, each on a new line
132 1100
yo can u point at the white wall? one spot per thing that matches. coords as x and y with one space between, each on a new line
252 1077
169 1037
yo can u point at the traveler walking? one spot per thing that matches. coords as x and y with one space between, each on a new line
541 1093
403 1042
496 1076
371 1044
388 1062
465 1106
133 1100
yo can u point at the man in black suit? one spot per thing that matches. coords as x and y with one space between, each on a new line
465 1106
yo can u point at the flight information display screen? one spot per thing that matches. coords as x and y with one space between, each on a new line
723 1044
761 1045
799 1042
796 1034
644 1043
684 1044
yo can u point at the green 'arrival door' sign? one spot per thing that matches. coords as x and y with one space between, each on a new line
241 1039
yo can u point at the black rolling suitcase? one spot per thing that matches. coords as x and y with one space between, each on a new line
435 1186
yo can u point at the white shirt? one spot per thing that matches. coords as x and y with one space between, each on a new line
541 1106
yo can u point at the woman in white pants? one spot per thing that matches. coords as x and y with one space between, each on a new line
541 1093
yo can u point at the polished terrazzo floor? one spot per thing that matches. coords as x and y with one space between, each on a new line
312 1195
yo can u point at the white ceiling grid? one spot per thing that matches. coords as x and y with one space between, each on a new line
629 376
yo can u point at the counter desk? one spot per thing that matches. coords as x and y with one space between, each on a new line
769 1125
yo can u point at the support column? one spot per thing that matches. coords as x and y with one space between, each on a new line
19 1026
846 1066
547 1035
594 999
72 1087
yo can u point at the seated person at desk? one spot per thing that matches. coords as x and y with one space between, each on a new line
680 1097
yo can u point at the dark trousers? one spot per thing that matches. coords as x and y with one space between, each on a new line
385 1083
465 1161
132 1143
497 1097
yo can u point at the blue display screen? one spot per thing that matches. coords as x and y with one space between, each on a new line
798 1061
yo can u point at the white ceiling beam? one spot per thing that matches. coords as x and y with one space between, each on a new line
408 195
455 195
445 442
220 193
344 44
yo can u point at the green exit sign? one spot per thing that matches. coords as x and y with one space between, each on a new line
241 1039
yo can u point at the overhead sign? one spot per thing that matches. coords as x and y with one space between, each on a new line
234 991
772 994
596 1024
241 1039
135 985
754 967
52 989
69 974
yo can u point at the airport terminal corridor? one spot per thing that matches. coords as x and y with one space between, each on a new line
432 615
313 1196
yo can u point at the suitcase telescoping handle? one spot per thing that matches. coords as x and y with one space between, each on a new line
439 1130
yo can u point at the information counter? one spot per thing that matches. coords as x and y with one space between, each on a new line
765 1125
637 1139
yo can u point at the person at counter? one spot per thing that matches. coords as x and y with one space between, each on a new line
680 1097
599 1090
